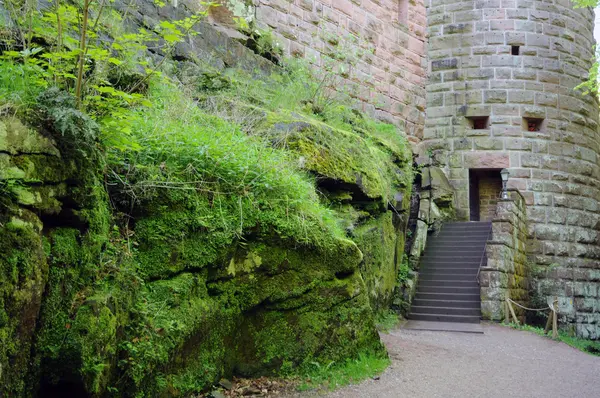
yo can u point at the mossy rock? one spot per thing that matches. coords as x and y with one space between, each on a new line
263 309
371 165
16 138
23 276
378 239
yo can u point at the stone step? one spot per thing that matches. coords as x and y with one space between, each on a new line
456 244
466 223
444 318
458 294
462 238
421 302
466 226
436 283
459 234
450 263
446 310
440 269
474 290
455 252
447 290
449 256
444 276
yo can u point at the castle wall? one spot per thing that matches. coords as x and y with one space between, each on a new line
553 162
505 273
490 187
389 80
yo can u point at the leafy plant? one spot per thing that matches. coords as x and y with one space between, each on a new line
334 375
75 59
79 133
403 271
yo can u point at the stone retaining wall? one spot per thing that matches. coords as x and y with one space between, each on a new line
505 274
390 79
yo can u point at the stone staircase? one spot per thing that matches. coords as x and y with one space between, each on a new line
448 290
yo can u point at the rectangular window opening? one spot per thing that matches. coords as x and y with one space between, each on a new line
403 11
532 124
514 50
479 122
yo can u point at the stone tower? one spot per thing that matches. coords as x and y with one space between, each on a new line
501 95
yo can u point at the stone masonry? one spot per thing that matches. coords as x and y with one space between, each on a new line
389 81
489 191
501 94
505 273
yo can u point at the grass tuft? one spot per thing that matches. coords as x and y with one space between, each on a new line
589 346
386 320
333 376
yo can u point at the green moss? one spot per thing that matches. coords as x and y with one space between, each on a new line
376 164
228 260
23 273
377 238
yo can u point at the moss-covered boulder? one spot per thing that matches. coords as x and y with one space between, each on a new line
213 249
35 183
364 171
245 272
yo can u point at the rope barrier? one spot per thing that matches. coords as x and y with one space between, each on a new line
552 317
531 309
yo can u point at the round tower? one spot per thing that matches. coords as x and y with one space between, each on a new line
502 94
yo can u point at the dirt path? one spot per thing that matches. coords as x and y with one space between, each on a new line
500 363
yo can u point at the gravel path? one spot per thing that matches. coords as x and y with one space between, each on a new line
502 362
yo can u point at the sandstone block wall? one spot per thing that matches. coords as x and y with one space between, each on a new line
489 192
474 74
390 79
505 274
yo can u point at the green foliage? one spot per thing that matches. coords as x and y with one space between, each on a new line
591 85
185 151
78 132
404 270
80 62
335 375
339 142
233 257
588 346
243 10
386 320
265 43
20 84
585 3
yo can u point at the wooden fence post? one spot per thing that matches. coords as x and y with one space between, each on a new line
512 311
555 319
549 322
506 312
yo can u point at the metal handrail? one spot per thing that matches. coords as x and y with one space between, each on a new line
484 251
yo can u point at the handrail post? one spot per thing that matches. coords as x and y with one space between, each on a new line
483 254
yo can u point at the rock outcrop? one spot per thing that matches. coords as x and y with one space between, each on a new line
115 281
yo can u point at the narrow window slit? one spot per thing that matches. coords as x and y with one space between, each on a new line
532 124
478 122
